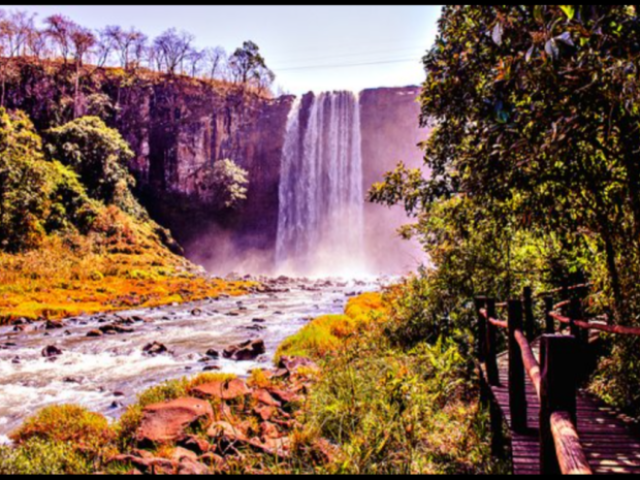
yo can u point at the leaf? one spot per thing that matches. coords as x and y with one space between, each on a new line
497 33
530 53
551 47
569 11
566 39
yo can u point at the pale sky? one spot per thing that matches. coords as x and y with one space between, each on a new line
308 47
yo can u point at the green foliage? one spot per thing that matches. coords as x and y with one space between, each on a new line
99 155
533 160
37 196
394 411
249 67
40 457
224 185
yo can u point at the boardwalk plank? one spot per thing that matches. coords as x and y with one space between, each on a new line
611 444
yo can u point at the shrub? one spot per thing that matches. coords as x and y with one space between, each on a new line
40 457
85 432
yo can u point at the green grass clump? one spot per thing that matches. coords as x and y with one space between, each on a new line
41 457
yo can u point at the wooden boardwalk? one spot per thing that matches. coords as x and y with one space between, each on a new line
611 442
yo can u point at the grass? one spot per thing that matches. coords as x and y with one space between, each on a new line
123 266
326 334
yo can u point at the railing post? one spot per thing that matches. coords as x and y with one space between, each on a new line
559 386
517 393
481 302
491 352
550 327
529 320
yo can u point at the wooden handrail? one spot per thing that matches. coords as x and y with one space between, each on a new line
571 457
616 329
494 321
531 365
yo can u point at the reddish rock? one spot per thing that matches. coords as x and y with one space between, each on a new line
216 462
264 412
224 390
262 396
190 466
224 430
269 430
95 333
179 453
166 422
284 396
195 444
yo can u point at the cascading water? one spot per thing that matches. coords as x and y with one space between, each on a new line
320 222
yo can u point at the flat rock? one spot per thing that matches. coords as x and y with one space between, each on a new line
224 390
166 422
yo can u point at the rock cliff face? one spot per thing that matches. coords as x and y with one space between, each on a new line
180 126
390 134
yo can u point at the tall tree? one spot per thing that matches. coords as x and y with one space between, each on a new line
248 66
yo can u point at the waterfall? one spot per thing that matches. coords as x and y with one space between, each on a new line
320 221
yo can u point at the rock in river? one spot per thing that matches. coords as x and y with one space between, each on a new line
249 350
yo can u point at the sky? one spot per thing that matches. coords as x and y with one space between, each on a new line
315 48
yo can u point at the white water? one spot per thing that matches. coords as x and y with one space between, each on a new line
320 221
102 366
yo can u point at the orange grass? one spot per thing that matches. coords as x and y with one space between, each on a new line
124 268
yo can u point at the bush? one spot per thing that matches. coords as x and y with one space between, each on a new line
85 432
40 457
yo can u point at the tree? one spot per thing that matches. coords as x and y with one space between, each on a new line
99 155
171 50
194 60
59 29
248 66
224 184
129 45
82 40
215 59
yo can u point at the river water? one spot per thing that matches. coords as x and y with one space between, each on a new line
106 373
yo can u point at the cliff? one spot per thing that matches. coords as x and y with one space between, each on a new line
178 126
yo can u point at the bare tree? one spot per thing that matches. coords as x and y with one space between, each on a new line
103 48
172 49
37 44
215 59
59 29
194 59
82 40
129 44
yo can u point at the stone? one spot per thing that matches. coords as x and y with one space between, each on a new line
292 364
166 422
224 390
264 397
195 444
51 351
179 453
249 350
189 466
213 353
154 348
53 325
94 333
264 412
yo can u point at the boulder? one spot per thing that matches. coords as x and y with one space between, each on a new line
195 444
154 348
51 351
53 325
179 453
166 422
95 333
249 350
264 412
213 353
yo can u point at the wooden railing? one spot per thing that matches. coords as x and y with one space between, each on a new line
554 378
